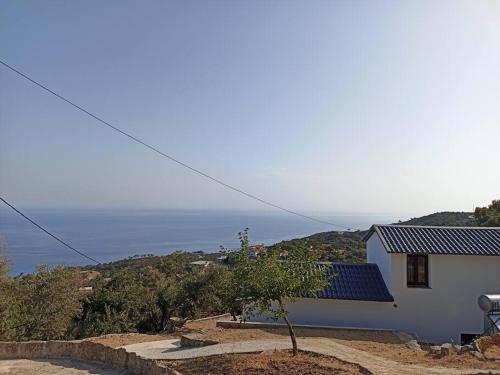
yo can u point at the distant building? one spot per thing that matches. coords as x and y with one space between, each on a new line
255 250
200 263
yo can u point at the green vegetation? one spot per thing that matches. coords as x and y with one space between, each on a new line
144 293
39 306
488 216
453 219
138 297
343 247
267 281
348 247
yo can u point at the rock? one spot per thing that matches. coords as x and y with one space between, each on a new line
436 349
495 339
447 349
413 345
478 355
483 343
174 323
466 349
409 340
195 340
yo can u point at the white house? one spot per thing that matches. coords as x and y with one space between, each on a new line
422 280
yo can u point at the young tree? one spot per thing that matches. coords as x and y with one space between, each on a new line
269 282
233 286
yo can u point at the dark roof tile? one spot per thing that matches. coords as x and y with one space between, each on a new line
412 239
360 282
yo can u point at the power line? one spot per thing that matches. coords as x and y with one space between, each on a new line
50 234
171 158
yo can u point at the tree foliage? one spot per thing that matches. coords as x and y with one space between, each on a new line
4 266
488 216
39 306
138 296
270 281
145 301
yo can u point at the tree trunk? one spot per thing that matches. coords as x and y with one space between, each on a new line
165 316
233 314
295 350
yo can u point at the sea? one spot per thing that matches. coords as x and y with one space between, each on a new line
108 235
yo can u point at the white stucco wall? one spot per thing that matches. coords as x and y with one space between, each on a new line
437 314
449 307
375 253
340 313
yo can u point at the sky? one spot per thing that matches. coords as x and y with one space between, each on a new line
334 106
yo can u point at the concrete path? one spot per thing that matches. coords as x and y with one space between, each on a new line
156 349
170 349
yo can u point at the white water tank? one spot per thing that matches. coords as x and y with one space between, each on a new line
489 303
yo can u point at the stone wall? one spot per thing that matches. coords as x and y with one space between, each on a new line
85 351
195 340
483 343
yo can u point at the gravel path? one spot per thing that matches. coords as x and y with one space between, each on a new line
55 367
377 365
170 349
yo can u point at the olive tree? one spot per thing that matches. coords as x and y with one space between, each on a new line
45 303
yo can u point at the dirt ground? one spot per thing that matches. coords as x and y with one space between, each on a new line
493 352
55 367
382 343
266 363
115 341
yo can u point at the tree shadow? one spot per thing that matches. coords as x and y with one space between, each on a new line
384 337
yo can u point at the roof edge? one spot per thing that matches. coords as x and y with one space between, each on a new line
368 234
432 226
374 229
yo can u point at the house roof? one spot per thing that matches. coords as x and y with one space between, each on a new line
360 282
414 239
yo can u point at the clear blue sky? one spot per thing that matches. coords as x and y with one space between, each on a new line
361 106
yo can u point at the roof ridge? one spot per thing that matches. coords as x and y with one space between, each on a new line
433 226
443 240
354 264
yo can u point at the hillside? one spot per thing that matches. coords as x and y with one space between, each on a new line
459 219
348 247
334 246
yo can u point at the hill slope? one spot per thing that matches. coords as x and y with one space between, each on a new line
348 247
335 246
447 218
